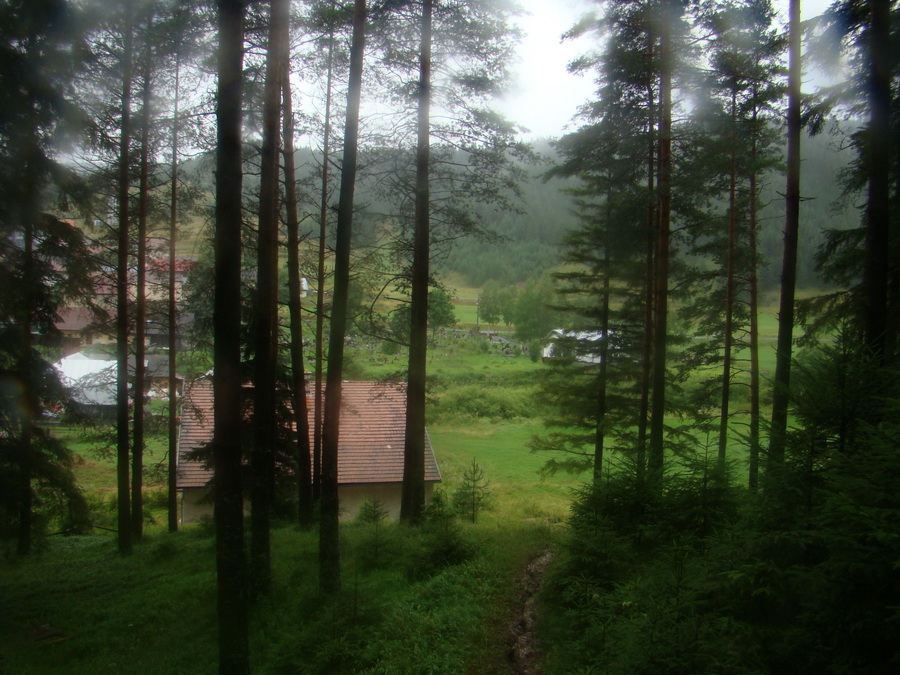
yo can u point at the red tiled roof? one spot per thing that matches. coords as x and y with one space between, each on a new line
196 431
373 416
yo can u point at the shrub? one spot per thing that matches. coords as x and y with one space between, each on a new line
486 402
439 543
473 495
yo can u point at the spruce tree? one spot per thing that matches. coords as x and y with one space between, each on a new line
44 261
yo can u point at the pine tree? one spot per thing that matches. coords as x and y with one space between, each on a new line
329 546
122 320
781 384
413 489
298 376
265 314
44 261
228 409
735 151
881 71
473 495
622 156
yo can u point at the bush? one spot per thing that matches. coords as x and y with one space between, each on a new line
157 499
473 495
370 553
486 402
438 543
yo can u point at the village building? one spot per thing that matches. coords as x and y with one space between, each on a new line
81 326
370 452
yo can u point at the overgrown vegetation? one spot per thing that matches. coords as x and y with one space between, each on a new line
431 598
705 577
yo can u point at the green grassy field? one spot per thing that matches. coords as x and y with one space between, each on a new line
519 492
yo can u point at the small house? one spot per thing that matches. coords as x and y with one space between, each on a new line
370 451
80 326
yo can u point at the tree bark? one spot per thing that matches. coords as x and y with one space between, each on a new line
413 491
266 310
781 384
600 429
753 469
329 548
661 270
26 449
172 501
298 375
140 323
320 283
877 242
122 437
729 289
647 346
228 409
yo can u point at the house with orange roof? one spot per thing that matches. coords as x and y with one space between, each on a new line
370 448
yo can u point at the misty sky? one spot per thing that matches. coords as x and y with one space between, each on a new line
546 95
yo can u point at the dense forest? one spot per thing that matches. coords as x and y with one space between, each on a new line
662 435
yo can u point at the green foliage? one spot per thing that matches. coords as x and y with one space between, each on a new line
440 309
385 620
486 402
440 315
371 552
473 495
705 579
534 311
438 544
371 512
496 303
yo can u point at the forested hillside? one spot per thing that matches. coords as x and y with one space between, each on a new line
531 239
523 242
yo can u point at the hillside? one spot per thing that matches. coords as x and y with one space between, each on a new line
527 240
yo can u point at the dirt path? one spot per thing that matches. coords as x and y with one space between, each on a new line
524 654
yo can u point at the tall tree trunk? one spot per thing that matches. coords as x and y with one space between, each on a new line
600 429
413 492
875 273
320 282
231 571
661 271
298 376
173 317
26 450
122 437
781 384
729 288
647 346
329 548
265 310
753 469
140 324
